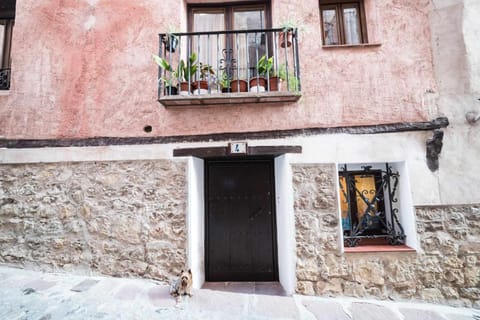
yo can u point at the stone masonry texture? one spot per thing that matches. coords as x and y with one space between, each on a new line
124 218
445 270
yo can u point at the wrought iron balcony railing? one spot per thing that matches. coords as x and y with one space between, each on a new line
368 203
5 79
228 64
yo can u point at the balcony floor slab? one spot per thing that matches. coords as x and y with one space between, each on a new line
228 99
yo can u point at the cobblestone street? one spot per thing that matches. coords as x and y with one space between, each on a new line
36 295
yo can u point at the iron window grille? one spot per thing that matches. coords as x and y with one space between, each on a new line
369 205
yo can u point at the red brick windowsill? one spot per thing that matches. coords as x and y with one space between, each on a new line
379 248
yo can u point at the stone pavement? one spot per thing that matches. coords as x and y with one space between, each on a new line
28 294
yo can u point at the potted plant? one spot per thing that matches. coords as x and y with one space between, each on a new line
171 39
225 82
285 36
187 70
285 75
264 68
273 82
267 78
239 85
206 78
170 89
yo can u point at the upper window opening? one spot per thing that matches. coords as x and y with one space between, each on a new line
343 22
7 20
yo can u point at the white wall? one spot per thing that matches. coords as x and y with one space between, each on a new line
471 33
393 147
196 221
455 27
406 212
285 224
450 185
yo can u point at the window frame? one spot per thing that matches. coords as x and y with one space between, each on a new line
229 9
339 5
7 43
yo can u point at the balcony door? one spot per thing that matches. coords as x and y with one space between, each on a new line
233 54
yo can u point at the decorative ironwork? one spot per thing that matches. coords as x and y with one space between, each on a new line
4 79
228 63
368 205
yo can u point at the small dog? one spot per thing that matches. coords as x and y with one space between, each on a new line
183 285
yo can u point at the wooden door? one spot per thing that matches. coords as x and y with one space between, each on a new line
240 221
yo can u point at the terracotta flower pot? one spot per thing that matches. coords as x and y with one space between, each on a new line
273 84
184 90
200 87
281 38
202 84
258 84
239 85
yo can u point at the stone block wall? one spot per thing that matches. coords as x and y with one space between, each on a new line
124 218
445 270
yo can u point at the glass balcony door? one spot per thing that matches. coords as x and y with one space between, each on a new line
209 48
234 55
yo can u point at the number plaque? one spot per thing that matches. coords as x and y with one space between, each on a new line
237 147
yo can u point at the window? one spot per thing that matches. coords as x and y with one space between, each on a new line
7 19
369 205
243 47
343 22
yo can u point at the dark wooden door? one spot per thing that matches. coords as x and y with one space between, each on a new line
240 221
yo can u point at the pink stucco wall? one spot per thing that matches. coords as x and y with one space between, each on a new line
83 68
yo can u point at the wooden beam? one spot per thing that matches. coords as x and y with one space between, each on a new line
213 152
232 136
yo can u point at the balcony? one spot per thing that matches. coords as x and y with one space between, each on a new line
4 79
228 67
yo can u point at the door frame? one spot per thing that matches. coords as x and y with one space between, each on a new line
247 159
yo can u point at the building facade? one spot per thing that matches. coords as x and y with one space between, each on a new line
355 178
